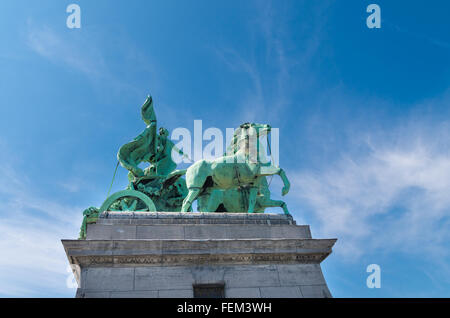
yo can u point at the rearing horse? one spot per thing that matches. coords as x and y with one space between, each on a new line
241 168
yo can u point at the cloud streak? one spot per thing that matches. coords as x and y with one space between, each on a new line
79 51
33 262
277 72
392 197
47 43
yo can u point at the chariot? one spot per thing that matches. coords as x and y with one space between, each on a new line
235 182
149 193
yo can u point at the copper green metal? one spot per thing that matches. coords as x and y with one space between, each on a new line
159 187
90 215
131 204
112 181
236 171
235 182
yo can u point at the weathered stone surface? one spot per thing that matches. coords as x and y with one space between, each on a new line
176 293
96 295
160 232
141 218
280 292
251 276
111 232
161 278
128 254
135 294
198 252
303 274
113 226
109 279
315 291
203 231
242 293
208 274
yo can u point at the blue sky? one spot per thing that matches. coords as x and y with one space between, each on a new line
363 117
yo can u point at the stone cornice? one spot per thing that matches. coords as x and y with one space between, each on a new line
196 252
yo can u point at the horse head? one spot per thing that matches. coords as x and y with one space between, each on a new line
246 140
260 129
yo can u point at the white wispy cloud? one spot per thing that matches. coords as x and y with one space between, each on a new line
394 197
281 73
83 51
75 54
418 35
254 102
33 261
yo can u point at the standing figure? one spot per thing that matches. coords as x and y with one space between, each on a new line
143 147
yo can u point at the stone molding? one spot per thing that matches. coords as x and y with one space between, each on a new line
192 259
196 252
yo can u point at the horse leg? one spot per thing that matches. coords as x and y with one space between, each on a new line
281 204
271 170
187 202
252 199
195 179
202 202
287 184
274 203
215 199
284 207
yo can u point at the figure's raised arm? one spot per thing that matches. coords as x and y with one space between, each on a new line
148 112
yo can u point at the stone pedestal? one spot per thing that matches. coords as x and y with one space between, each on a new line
151 254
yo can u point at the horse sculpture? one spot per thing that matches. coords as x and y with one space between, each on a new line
241 168
236 200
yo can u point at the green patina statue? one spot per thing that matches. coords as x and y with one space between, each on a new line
241 171
148 147
236 199
159 187
235 182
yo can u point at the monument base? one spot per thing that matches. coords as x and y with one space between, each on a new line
184 255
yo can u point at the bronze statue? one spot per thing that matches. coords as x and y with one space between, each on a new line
235 182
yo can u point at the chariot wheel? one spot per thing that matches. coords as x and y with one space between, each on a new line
128 200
